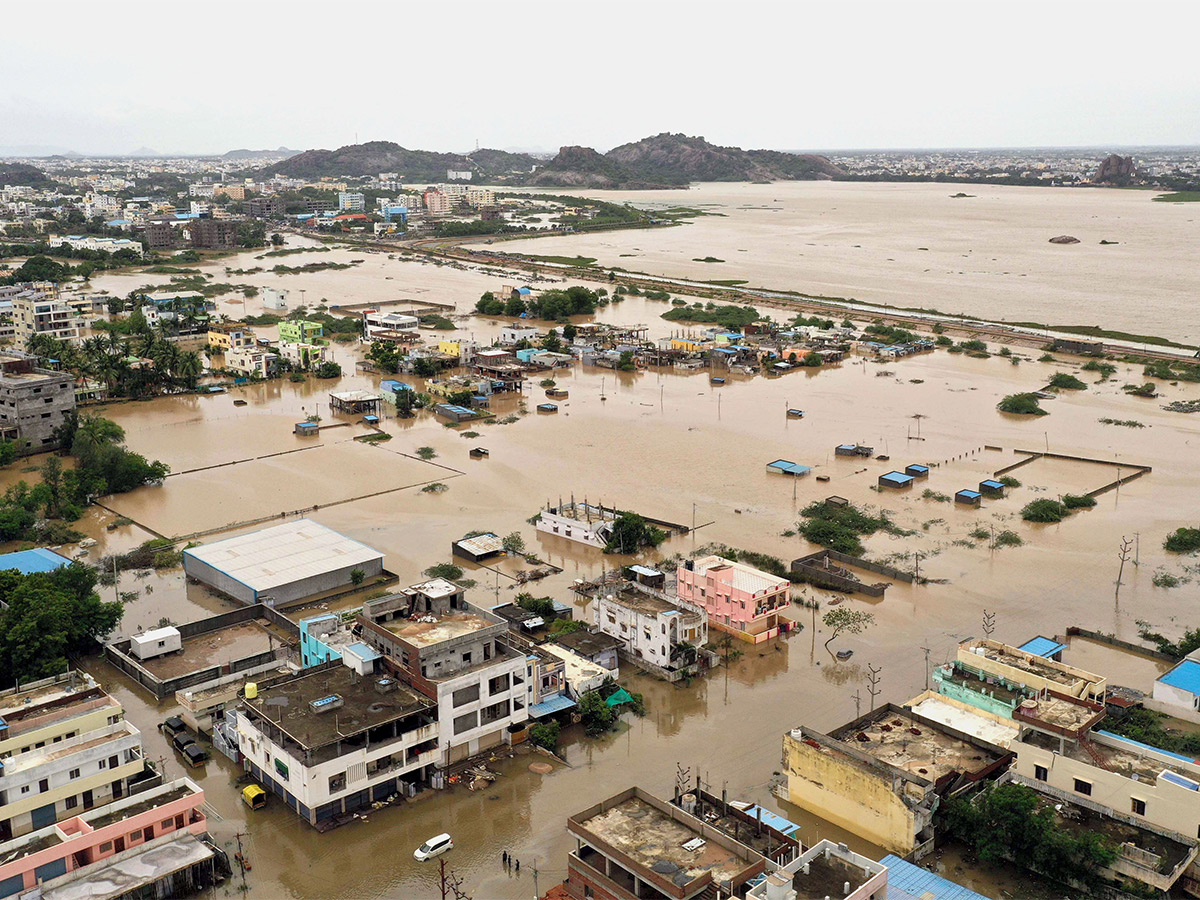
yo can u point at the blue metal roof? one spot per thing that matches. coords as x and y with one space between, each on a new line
1042 646
779 823
551 706
787 467
1185 676
968 493
1180 780
906 881
29 561
896 478
918 467
992 484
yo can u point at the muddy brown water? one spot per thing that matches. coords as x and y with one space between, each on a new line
667 444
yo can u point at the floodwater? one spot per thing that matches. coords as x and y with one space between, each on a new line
671 446
915 245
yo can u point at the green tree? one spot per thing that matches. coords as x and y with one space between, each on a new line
514 543
843 620
545 735
631 532
357 576
8 452
597 716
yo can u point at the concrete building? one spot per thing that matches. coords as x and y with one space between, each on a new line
129 847
213 234
826 870
331 741
457 655
252 361
351 202
594 646
264 207
230 337
39 311
1034 672
479 197
33 402
52 710
740 600
581 522
304 356
54 782
884 775
437 203
653 629
160 236
281 564
516 332
634 846
275 299
1177 692
301 331
93 242
381 326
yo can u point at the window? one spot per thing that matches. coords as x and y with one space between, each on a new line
44 785
1138 806
498 685
106 847
104 763
1041 773
74 773
466 657
337 782
487 650
1083 787
588 893
466 722
71 802
466 695
24 789
168 824
282 769
113 762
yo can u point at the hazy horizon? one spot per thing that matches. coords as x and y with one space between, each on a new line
931 75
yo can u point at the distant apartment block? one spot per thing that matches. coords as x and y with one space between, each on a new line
264 207
351 202
160 236
213 234
301 331
252 361
39 311
384 326
740 600
230 337
437 203
33 402
98 244
654 629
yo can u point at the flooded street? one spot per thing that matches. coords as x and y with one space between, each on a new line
670 445
918 246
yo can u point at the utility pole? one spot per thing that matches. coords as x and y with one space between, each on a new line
926 649
917 572
989 623
241 860
536 895
873 683
1123 555
857 697
1137 548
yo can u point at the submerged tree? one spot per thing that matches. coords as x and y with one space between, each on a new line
844 620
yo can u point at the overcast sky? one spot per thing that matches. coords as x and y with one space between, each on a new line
217 75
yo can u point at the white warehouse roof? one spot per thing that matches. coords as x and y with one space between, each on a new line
283 554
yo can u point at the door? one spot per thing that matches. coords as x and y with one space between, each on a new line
43 816
118 789
88 800
119 845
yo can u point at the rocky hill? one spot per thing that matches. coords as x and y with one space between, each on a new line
665 160
23 174
374 157
1116 169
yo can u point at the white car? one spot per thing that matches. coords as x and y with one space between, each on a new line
435 846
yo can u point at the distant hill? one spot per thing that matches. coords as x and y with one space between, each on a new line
23 175
374 157
281 153
664 160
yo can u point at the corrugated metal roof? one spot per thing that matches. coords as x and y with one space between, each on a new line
551 706
1185 676
906 881
283 554
29 561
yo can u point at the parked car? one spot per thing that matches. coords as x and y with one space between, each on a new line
195 755
182 740
435 846
172 726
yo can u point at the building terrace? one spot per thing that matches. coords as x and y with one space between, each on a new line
1030 670
914 745
653 842
430 630
332 706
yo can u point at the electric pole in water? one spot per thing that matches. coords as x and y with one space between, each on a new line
1123 555
857 697
873 683
926 649
989 623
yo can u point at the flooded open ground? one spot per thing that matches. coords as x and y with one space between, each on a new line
918 246
671 445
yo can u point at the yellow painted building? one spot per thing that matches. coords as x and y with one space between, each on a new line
1035 672
450 348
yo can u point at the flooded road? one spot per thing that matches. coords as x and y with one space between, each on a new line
664 444
918 246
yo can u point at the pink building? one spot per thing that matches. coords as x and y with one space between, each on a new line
172 810
740 599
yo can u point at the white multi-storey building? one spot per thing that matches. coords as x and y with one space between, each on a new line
652 627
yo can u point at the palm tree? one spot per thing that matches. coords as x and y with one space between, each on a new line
189 368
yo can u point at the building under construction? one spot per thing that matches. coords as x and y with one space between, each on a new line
580 521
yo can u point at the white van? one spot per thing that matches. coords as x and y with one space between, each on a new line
435 846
